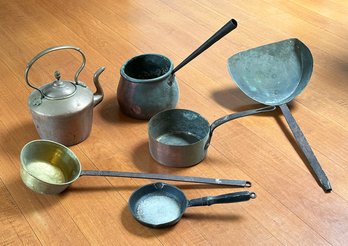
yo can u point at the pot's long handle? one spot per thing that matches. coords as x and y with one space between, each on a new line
229 182
228 27
226 198
306 148
233 116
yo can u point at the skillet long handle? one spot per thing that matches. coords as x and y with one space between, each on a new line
306 149
241 196
229 182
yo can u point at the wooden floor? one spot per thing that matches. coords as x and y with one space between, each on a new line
290 208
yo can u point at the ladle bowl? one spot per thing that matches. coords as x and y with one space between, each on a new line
48 167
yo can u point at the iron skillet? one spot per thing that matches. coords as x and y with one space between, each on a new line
161 205
274 74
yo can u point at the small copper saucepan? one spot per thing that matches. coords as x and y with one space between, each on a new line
181 137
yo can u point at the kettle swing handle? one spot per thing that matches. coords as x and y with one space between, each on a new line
48 50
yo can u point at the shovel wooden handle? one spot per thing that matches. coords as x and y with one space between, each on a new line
306 149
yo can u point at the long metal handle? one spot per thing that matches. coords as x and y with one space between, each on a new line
228 27
241 196
48 50
233 116
306 149
239 183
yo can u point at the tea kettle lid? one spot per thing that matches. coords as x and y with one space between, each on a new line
59 89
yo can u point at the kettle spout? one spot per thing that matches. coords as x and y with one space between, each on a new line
99 94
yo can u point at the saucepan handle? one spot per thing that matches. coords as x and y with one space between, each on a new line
225 198
233 116
48 50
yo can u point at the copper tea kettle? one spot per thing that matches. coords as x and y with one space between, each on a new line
62 110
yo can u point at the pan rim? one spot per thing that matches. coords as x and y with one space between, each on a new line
158 186
135 80
151 126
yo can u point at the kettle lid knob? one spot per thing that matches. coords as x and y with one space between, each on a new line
59 89
57 75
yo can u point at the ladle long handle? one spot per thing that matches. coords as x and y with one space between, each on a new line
306 148
240 183
225 198
228 27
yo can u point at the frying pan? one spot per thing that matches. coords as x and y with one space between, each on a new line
181 137
274 74
161 205
49 167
